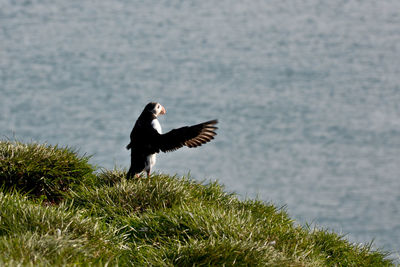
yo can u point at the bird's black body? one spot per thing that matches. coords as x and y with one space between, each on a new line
140 147
147 139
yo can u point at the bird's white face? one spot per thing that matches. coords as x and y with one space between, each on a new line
159 109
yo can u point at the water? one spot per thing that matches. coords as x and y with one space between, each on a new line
307 94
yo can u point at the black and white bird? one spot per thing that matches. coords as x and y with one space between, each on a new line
147 138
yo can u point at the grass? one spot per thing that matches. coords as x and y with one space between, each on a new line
102 219
41 170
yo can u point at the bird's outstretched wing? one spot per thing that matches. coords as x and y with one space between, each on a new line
190 136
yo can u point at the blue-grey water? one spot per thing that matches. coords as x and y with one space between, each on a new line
307 94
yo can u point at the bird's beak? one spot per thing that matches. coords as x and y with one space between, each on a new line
163 111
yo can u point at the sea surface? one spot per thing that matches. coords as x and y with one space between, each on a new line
307 94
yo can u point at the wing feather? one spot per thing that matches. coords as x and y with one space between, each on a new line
190 136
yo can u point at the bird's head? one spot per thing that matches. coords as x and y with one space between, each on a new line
155 108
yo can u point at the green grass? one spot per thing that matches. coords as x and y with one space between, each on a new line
41 170
101 218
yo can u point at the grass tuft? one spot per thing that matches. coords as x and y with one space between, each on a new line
41 170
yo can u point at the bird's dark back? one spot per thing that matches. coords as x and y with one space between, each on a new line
143 133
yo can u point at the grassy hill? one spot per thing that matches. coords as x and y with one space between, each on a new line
56 210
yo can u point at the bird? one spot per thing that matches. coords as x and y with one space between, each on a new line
147 139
